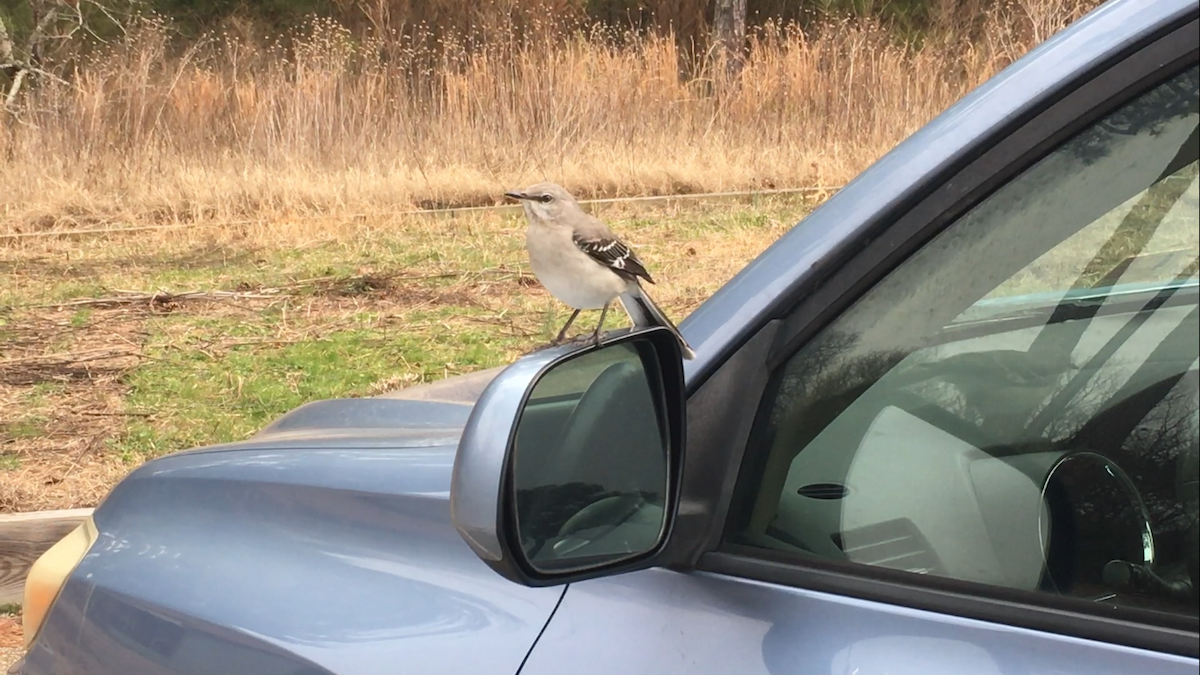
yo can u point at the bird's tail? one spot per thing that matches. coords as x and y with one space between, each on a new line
645 313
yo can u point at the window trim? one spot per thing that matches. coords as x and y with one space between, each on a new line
1156 60
1160 632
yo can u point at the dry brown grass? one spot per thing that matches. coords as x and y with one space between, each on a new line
89 388
294 145
231 128
11 641
61 399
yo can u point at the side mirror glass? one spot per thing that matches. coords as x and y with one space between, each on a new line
569 465
589 470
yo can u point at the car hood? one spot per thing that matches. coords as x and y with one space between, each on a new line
323 544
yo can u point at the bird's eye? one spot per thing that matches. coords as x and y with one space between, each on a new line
545 199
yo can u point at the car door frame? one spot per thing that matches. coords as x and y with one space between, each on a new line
723 408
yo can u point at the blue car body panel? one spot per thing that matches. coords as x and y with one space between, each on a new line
290 560
324 544
671 623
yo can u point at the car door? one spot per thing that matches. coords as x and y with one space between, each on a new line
975 446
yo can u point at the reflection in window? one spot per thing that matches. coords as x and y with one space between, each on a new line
1016 404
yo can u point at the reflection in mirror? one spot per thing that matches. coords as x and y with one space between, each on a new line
590 461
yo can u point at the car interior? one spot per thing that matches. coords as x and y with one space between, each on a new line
1017 404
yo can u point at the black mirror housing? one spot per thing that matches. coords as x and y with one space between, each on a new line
569 466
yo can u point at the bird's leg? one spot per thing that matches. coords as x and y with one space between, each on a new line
596 335
563 333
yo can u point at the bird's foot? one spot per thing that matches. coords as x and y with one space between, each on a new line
576 340
586 338
558 342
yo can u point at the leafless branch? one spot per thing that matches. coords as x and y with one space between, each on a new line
55 21
13 90
6 45
107 13
161 298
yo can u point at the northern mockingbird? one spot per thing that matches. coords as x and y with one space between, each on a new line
583 264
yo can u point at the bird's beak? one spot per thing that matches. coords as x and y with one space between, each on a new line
516 195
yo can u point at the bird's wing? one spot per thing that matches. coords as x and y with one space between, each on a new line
613 254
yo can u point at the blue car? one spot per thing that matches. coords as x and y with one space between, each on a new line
948 424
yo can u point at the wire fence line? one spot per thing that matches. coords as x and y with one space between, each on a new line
451 211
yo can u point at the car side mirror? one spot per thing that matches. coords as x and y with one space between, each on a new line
569 464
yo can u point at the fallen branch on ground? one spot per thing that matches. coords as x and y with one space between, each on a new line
159 298
351 285
71 365
69 357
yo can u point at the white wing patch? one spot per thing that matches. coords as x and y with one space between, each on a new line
614 254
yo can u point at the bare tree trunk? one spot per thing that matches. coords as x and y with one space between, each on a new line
729 34
6 47
11 62
9 66
55 22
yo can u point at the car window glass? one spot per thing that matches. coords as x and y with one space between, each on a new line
1017 403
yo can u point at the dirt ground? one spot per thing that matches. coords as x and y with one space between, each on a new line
11 640
64 384
71 401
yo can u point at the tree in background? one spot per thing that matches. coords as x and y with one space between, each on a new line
729 34
712 36
38 36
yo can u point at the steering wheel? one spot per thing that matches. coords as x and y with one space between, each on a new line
602 516
1117 573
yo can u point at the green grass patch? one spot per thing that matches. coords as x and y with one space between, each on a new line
199 397
353 313
30 426
81 317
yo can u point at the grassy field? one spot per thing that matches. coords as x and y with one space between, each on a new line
295 273
98 374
